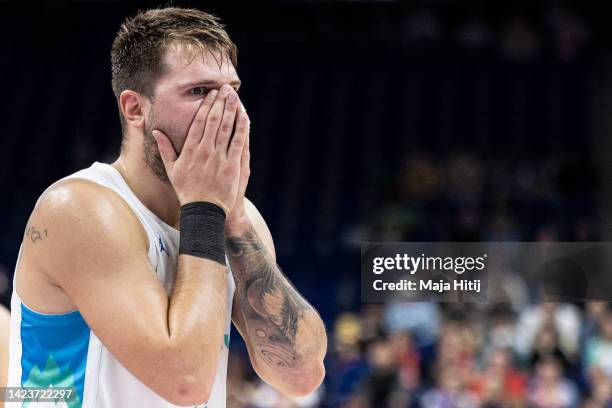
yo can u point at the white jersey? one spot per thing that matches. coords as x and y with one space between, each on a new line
60 350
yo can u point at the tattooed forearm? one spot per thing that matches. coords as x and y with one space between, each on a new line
269 308
35 234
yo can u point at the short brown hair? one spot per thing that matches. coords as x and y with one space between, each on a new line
138 47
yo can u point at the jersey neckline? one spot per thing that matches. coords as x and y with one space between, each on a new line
117 175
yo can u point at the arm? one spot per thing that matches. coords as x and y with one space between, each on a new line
170 344
285 336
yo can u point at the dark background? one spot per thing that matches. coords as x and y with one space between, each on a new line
386 121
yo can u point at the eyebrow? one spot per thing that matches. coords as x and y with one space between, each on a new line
210 84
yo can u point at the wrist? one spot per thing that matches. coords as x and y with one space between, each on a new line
202 231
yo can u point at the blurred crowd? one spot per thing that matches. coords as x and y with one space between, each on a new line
540 355
550 27
464 196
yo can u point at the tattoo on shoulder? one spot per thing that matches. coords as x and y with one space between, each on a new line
35 234
271 308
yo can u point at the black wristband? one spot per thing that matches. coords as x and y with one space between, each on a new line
202 226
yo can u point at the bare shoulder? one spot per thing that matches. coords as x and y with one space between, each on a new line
81 199
79 217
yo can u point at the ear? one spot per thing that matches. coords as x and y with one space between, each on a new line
132 107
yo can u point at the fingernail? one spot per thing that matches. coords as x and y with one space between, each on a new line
225 89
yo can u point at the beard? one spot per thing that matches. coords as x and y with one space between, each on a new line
151 153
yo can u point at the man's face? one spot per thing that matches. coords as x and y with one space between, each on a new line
178 93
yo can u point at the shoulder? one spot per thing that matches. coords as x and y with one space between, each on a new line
75 214
77 198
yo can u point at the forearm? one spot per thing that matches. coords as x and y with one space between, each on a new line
284 334
199 301
197 310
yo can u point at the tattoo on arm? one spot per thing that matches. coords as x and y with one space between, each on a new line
35 234
270 308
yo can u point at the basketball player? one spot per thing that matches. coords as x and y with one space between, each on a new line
130 274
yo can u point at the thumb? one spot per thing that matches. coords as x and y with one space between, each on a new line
166 150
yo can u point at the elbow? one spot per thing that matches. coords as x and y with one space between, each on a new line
190 391
307 383
187 373
187 390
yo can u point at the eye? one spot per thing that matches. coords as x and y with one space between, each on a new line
198 90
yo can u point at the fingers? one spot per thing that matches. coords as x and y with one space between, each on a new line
196 130
214 119
227 121
166 150
245 165
245 159
237 145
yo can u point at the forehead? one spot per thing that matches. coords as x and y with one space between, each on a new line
185 64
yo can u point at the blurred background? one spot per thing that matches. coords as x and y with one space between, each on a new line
431 120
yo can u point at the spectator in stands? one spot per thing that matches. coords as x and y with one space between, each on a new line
500 384
451 391
598 349
563 317
548 387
